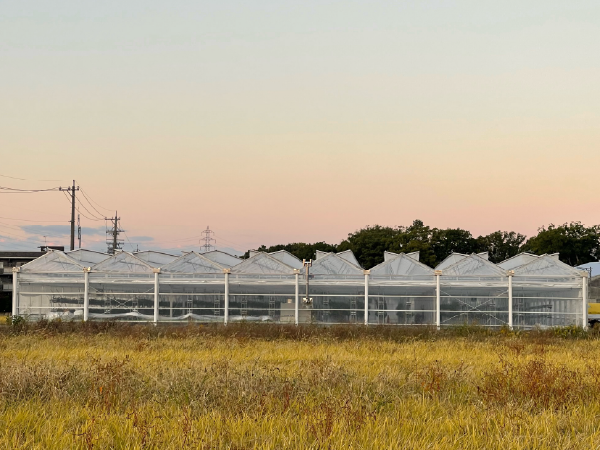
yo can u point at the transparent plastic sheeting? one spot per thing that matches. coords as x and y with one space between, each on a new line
538 300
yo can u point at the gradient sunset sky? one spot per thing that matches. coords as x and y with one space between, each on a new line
281 121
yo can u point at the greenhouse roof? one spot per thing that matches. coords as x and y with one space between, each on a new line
193 262
452 258
87 257
287 258
547 265
155 259
320 253
222 258
391 255
349 256
401 264
123 262
262 263
473 265
517 260
332 264
52 262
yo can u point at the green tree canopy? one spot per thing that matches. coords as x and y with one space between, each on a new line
369 244
576 243
298 249
500 245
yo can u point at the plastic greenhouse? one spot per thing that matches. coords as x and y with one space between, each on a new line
524 291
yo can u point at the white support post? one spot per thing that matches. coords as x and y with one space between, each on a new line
15 292
86 293
584 295
438 299
510 299
367 272
156 294
226 306
297 297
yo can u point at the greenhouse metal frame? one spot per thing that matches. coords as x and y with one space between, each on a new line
522 292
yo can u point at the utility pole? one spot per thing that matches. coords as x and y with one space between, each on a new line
71 192
79 229
112 234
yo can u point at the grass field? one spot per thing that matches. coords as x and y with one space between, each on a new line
246 386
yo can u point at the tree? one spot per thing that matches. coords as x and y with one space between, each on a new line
575 243
368 244
298 249
415 238
433 244
500 245
445 242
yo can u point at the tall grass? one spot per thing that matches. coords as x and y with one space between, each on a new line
107 385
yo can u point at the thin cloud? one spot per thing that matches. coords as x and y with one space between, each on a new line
59 230
141 238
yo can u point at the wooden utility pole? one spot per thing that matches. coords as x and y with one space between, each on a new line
71 192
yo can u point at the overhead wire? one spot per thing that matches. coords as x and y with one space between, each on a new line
7 190
92 200
93 216
89 218
24 179
69 200
178 240
89 212
229 242
130 244
93 213
89 202
36 221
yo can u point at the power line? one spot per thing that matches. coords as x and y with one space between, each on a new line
130 244
67 196
98 205
89 218
37 221
178 240
24 179
232 243
14 178
24 191
89 212
90 203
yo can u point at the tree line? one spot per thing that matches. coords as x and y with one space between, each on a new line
575 243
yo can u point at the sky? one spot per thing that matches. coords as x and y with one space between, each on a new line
282 121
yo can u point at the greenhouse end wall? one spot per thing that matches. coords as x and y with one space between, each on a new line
515 301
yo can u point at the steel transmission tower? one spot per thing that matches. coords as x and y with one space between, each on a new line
207 238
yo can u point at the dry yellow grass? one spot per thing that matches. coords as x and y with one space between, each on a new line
145 387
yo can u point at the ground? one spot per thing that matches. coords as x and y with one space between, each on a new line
247 386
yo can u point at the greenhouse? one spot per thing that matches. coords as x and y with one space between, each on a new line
524 291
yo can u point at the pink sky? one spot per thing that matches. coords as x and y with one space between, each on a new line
303 124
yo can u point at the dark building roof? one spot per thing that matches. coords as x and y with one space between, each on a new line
19 254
